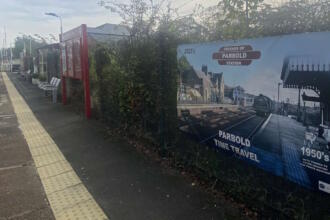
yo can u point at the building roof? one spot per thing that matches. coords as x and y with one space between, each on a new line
108 32
239 88
312 73
200 74
305 72
109 29
49 46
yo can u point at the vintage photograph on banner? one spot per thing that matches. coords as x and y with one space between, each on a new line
264 100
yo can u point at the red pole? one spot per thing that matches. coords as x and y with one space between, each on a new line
62 75
63 90
86 71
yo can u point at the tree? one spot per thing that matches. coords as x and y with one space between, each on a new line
295 16
25 40
228 19
231 19
142 16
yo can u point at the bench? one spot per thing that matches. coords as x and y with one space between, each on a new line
41 84
25 75
51 87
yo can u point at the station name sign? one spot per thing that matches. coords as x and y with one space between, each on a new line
236 55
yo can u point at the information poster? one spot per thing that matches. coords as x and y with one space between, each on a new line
264 100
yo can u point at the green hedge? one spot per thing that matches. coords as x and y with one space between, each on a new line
134 85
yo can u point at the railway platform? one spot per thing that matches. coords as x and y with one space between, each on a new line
120 182
276 139
284 137
21 193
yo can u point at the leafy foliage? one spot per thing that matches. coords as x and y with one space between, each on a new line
228 19
21 41
135 84
296 16
142 16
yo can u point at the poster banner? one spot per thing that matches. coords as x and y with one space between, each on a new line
264 100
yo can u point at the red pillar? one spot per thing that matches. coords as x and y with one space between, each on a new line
86 71
63 90
62 74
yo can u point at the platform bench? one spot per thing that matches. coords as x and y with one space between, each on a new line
51 87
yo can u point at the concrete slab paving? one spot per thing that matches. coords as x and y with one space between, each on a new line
21 192
55 186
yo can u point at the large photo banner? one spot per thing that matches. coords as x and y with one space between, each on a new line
264 100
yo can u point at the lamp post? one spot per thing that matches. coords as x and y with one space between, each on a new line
29 37
278 95
61 64
278 91
59 17
24 36
30 45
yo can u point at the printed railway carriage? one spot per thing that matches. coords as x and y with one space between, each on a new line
265 100
263 105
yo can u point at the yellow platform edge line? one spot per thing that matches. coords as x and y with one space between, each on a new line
67 196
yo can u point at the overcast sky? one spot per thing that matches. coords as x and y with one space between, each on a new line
27 16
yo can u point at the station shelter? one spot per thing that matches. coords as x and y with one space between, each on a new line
74 46
47 64
309 73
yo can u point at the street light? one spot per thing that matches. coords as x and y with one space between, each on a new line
30 45
278 92
57 16
24 36
278 95
29 37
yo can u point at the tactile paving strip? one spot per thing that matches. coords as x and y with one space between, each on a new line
86 210
54 169
68 197
47 149
39 141
47 159
61 182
